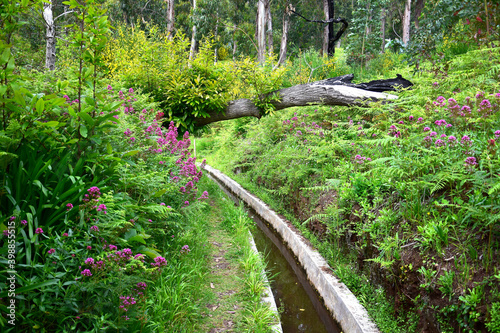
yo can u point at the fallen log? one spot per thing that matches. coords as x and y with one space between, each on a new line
334 91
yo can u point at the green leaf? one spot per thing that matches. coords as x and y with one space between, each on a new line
150 253
50 123
109 148
88 119
40 105
159 193
131 153
32 287
83 130
137 238
5 56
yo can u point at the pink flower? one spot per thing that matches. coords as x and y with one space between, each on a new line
65 234
89 247
39 231
70 206
24 222
51 251
86 272
94 228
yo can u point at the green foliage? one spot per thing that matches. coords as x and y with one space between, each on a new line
412 178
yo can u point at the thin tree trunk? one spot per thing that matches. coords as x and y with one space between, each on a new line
326 29
234 43
170 19
368 24
50 36
331 32
406 22
269 21
261 26
382 30
216 37
284 36
419 6
192 50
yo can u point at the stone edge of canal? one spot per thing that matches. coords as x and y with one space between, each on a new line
339 300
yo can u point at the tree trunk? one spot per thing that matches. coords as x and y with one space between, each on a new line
216 36
192 50
382 30
261 29
269 32
284 36
335 91
234 43
406 22
50 36
331 31
170 19
419 6
326 29
368 22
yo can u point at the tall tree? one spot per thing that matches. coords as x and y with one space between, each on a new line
261 30
269 32
326 30
406 22
170 18
193 36
50 35
284 35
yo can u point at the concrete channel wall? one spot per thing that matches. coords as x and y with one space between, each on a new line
338 299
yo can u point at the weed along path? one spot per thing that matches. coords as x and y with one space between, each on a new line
340 303
234 283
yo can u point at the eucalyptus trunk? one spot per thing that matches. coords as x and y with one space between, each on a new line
326 29
50 36
284 36
192 50
269 32
170 19
406 22
261 27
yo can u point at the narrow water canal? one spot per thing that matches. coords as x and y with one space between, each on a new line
302 309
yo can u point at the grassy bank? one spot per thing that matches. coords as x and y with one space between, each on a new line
409 190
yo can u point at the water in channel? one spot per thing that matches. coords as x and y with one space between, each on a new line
301 308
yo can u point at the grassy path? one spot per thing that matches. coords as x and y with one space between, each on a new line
232 302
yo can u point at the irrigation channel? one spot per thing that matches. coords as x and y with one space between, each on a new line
298 295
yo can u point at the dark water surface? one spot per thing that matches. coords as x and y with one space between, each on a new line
301 308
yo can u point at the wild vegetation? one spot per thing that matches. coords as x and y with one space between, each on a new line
103 209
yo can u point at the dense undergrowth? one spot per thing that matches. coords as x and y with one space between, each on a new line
103 225
410 190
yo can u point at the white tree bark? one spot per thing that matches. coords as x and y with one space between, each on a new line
382 30
170 19
406 22
193 38
284 36
326 29
269 32
261 31
50 36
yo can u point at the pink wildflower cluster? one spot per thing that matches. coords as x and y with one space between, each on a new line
361 159
159 262
393 131
185 249
483 106
302 128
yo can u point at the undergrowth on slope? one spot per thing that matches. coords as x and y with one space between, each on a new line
409 188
